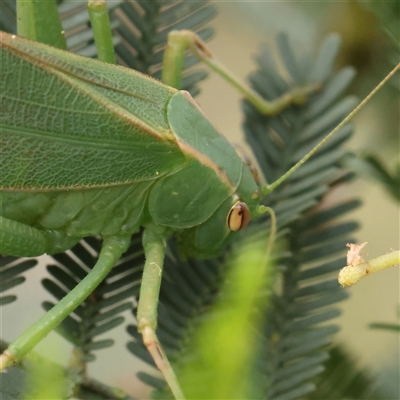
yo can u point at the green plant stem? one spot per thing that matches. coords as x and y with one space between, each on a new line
101 27
351 274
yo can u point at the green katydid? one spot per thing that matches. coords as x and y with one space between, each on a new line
155 141
108 151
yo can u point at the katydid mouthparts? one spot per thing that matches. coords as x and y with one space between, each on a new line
105 150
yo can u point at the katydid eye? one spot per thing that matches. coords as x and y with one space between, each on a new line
238 217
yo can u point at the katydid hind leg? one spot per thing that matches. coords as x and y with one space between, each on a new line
174 55
20 240
112 249
154 248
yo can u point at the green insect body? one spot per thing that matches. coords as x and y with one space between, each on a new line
153 159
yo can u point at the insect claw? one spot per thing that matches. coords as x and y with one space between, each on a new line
6 359
159 356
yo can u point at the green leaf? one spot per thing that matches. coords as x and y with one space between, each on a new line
388 327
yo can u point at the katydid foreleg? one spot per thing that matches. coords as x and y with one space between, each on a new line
112 249
174 55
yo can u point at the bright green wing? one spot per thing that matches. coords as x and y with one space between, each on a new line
68 122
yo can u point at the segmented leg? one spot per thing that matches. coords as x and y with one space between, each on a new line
174 55
154 248
112 249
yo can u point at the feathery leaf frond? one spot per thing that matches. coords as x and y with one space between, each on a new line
343 379
11 270
296 332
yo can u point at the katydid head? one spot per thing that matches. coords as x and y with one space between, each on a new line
205 240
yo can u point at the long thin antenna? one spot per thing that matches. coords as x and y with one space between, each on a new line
269 188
